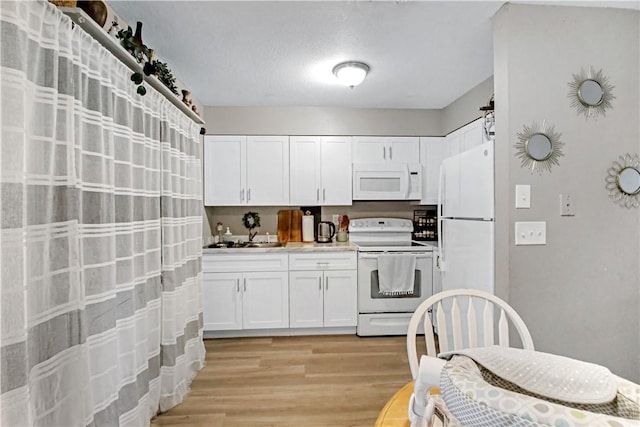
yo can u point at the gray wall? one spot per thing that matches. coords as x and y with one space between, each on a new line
321 121
466 108
580 294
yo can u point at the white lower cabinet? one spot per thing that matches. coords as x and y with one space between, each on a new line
279 293
322 299
222 301
265 300
321 293
234 300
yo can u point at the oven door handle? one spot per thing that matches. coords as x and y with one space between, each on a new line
366 256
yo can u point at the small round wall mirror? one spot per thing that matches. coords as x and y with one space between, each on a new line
590 93
623 181
629 180
539 147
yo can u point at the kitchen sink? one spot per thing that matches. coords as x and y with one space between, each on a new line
263 245
247 245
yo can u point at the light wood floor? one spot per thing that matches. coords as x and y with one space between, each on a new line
339 380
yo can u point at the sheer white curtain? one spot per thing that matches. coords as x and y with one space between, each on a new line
182 348
93 330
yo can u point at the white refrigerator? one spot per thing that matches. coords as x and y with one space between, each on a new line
466 219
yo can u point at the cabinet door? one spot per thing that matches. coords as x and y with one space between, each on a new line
336 171
454 143
432 152
224 170
340 298
369 149
265 303
404 149
305 174
222 301
305 299
472 135
267 170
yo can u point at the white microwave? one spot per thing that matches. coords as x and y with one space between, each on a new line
387 181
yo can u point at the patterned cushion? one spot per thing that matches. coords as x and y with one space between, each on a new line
545 374
477 397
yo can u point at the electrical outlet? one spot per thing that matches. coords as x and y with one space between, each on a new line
523 196
531 233
567 207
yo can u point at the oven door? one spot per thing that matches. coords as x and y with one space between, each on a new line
371 301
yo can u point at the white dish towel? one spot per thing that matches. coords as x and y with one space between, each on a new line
396 274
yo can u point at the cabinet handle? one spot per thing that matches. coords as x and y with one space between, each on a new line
245 284
326 283
319 283
384 152
248 194
242 194
318 195
324 194
390 154
237 285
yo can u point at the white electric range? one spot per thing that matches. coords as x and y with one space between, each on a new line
380 314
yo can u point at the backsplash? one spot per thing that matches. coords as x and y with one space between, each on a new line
231 216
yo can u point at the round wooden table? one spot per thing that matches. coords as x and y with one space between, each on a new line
394 413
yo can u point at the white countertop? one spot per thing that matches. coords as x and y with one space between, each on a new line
289 247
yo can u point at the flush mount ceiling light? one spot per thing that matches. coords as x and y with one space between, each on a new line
351 73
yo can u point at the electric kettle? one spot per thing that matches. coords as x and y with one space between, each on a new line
326 231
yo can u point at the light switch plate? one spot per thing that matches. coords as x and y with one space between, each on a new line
523 196
531 233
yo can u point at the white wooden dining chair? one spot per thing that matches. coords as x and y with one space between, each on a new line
453 320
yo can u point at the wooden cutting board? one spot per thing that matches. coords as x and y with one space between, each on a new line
295 234
284 225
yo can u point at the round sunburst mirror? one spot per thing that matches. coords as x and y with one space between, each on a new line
623 181
590 93
539 147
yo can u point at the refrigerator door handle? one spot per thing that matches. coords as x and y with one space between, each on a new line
440 245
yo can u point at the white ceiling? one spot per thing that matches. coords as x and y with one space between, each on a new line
422 54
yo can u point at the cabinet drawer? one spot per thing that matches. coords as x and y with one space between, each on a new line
323 261
223 263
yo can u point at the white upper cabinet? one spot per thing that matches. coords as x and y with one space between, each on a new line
432 151
246 170
473 135
465 138
454 143
267 170
403 149
320 171
379 149
335 166
224 169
